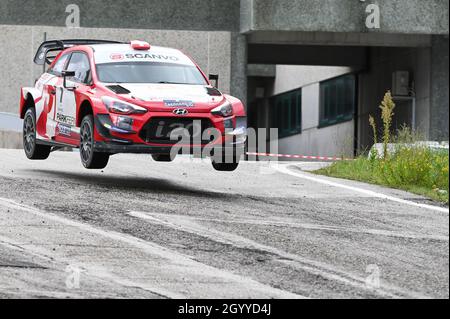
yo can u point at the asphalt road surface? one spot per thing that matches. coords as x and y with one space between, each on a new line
143 229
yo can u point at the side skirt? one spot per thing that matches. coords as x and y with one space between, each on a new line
55 145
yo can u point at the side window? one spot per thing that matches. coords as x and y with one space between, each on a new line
60 64
337 100
79 63
287 113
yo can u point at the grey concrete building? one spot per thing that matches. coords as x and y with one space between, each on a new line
310 50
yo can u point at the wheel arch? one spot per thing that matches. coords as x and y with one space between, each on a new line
26 103
85 108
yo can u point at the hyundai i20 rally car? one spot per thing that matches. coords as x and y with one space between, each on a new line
107 97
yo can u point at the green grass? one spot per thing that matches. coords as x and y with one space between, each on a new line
417 170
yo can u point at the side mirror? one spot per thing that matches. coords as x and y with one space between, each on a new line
68 74
214 80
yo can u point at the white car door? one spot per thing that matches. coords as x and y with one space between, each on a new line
65 96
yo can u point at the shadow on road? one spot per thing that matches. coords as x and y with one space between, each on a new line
134 183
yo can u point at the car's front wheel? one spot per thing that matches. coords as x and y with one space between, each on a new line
33 150
89 158
221 162
162 157
225 167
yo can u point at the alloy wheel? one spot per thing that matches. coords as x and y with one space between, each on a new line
29 134
86 143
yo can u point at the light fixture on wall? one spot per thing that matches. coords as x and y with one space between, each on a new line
403 91
400 83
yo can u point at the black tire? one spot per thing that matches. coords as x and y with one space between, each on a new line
225 167
33 150
89 158
162 158
226 162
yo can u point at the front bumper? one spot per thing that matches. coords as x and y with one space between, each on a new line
118 140
115 148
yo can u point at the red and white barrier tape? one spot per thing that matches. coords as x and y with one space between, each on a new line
322 158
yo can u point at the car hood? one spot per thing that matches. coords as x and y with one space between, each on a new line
174 94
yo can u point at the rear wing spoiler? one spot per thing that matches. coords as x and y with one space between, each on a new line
57 45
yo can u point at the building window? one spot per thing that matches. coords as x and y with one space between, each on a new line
337 100
286 113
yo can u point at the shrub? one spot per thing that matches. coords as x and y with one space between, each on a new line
416 169
387 112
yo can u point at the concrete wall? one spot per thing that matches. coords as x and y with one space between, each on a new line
208 15
335 140
9 139
10 131
187 15
211 50
378 79
399 16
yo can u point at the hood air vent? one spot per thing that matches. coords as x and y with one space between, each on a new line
118 89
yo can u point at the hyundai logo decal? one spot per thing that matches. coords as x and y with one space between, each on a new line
180 112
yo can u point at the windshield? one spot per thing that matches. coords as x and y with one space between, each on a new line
149 72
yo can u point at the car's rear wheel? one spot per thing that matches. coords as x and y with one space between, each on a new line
162 157
89 158
33 150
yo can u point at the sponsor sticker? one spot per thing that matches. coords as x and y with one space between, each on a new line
151 56
106 54
116 56
65 119
178 103
64 129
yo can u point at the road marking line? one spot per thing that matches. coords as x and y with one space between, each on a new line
89 271
381 232
150 248
284 169
322 158
329 272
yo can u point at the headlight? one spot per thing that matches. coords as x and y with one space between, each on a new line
121 107
223 110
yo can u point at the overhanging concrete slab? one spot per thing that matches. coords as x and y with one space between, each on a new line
336 38
399 16
307 55
207 15
261 70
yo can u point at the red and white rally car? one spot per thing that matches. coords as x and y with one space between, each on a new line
107 97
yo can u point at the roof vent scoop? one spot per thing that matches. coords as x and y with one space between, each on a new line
140 45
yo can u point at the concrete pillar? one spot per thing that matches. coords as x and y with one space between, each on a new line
238 85
439 89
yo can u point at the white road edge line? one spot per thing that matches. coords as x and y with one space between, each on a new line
284 169
7 242
154 249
